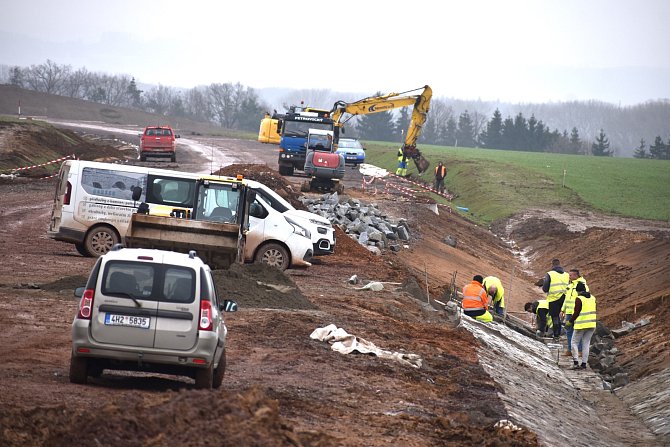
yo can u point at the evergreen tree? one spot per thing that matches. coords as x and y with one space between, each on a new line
532 139
575 142
640 152
429 133
508 133
377 126
16 78
135 94
402 123
492 136
659 150
601 146
450 132
465 134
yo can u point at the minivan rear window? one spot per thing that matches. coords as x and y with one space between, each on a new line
149 281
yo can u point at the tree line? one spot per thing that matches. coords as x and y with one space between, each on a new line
232 106
443 128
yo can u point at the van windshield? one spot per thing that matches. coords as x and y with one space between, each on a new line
275 200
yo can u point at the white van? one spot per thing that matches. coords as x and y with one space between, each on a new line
93 201
275 238
93 206
322 231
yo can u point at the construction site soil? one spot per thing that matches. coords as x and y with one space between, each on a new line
283 388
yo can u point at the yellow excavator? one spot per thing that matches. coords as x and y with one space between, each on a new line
376 104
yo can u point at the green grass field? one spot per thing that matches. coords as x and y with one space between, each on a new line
495 184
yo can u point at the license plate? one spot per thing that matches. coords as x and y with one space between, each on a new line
127 320
351 158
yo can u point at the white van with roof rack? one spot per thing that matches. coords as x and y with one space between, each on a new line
320 228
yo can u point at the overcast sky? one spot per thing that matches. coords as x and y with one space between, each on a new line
517 51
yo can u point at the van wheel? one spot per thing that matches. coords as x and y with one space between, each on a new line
273 255
203 378
100 240
219 371
81 248
78 369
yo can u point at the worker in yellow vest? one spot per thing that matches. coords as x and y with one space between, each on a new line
402 164
495 290
577 284
554 285
541 310
584 323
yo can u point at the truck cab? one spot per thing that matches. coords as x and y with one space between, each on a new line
158 141
294 128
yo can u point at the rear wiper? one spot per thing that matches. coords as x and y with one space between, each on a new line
137 303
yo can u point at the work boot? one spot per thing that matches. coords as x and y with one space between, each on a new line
567 353
583 366
575 365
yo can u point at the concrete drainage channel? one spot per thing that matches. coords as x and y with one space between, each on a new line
547 397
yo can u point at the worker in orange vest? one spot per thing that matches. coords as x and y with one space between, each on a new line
440 174
475 303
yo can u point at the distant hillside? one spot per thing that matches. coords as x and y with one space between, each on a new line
61 107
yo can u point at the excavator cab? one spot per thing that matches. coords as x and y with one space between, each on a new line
320 140
322 163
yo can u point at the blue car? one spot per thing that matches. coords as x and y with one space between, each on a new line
352 150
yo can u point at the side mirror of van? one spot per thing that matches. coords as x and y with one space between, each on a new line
229 306
139 135
137 193
256 210
177 136
79 292
251 195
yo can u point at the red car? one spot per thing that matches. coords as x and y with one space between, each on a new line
158 141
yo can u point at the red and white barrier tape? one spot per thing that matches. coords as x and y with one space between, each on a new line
25 168
404 190
421 185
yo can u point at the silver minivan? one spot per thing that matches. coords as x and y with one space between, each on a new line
150 310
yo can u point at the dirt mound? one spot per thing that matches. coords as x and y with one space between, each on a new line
269 177
190 418
28 143
259 285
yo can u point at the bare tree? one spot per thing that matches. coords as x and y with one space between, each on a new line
76 84
196 104
47 77
159 99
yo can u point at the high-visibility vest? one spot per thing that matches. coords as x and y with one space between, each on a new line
401 155
587 316
474 296
559 282
441 168
570 294
544 304
500 293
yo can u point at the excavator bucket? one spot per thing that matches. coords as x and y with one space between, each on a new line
421 163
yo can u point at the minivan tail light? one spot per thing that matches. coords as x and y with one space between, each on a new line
86 305
68 194
205 316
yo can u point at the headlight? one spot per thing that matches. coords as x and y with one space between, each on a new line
320 222
297 229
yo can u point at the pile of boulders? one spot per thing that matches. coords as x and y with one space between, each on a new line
602 358
365 223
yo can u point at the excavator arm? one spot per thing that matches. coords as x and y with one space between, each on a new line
376 104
